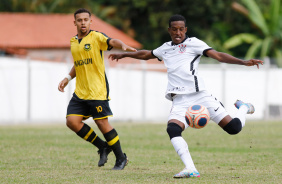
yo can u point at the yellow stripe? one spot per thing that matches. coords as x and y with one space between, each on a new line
113 141
87 135
103 117
94 139
78 115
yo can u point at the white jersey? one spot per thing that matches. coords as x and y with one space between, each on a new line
182 62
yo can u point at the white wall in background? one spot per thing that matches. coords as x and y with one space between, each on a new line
136 95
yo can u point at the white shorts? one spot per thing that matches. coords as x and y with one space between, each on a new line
181 102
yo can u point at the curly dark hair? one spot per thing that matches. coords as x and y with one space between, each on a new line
176 18
82 10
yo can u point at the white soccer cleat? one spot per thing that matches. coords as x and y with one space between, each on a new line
186 173
251 108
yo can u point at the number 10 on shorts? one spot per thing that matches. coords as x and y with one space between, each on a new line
99 109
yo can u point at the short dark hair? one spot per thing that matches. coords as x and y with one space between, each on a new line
82 10
176 18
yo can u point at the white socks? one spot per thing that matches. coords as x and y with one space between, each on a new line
241 114
181 148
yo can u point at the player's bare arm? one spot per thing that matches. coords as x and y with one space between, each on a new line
66 80
141 54
226 58
120 45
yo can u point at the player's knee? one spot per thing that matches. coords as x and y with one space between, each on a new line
233 127
71 123
173 130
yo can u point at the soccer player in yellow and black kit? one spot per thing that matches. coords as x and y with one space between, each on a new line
91 94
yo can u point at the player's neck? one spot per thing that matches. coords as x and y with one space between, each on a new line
81 35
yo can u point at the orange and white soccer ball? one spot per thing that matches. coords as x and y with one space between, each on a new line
197 116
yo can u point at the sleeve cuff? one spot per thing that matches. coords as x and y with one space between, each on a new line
108 42
155 56
205 52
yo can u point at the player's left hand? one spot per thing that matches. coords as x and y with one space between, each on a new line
253 62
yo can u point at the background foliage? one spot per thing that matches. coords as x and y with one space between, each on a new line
214 21
267 38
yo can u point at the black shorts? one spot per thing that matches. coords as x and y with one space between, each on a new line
98 109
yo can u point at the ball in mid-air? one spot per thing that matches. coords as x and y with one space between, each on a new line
197 116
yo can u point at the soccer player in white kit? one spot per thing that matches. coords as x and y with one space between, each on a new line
181 57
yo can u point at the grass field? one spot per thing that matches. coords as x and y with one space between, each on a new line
54 154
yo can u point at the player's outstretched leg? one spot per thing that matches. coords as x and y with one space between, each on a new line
236 124
174 131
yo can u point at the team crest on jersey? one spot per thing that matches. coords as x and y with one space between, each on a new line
87 47
182 48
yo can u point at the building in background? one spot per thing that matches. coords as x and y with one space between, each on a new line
47 36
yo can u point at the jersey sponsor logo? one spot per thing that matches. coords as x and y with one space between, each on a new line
182 48
87 47
216 109
83 62
177 89
99 109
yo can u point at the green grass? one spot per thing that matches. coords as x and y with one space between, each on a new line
54 154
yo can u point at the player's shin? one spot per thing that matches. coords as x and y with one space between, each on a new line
180 145
88 134
241 114
112 139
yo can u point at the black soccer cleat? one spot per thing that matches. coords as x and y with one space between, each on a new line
103 155
121 163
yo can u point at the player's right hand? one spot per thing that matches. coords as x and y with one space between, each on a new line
115 56
63 84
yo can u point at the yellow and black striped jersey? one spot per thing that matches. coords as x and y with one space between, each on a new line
88 56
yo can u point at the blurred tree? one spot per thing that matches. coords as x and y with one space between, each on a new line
210 20
150 18
267 41
44 6
147 21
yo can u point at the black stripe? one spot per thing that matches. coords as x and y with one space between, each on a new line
107 86
91 136
102 33
110 135
193 72
192 62
101 53
83 131
196 84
